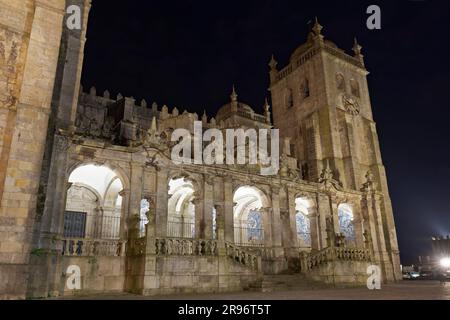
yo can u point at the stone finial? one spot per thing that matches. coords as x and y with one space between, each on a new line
213 122
93 91
356 47
234 95
154 107
144 103
267 112
317 28
153 127
370 184
106 94
273 63
357 50
119 97
204 117
327 173
175 112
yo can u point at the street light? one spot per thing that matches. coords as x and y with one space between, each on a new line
445 262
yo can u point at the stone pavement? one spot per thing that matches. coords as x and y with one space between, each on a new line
407 290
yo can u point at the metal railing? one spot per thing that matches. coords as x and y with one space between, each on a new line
248 237
85 226
184 230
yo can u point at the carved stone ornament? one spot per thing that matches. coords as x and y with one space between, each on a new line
351 105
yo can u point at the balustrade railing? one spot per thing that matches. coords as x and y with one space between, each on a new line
87 248
185 247
310 261
185 230
243 257
82 225
248 237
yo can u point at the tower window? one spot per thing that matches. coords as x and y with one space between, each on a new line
289 99
305 92
355 88
340 82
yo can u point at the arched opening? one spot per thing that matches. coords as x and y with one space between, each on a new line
304 89
248 217
94 204
181 209
340 82
145 209
289 98
354 86
346 225
303 223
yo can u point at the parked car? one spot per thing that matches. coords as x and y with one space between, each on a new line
427 275
411 275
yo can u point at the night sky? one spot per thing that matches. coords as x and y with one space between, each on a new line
187 54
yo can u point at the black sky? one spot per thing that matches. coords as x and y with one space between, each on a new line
189 53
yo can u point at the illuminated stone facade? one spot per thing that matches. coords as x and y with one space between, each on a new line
106 197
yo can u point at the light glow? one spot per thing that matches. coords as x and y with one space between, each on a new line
445 262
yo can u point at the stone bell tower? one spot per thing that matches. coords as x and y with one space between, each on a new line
321 103
30 35
40 69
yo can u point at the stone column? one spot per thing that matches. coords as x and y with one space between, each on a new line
276 219
125 194
162 198
134 205
208 209
324 209
315 226
228 209
199 203
292 220
358 225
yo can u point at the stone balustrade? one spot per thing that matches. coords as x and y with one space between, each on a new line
90 248
185 247
243 257
314 260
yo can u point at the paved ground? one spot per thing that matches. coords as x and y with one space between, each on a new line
407 290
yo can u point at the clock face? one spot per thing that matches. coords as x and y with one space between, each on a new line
351 105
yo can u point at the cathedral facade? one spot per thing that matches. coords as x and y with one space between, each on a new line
87 179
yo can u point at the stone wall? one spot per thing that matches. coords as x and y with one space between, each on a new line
30 33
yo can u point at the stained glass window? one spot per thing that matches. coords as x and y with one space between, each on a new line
303 229
346 223
254 225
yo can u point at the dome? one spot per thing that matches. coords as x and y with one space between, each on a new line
225 110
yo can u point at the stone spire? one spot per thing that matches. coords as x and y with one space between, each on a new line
273 69
204 118
234 95
317 32
267 112
317 28
234 100
357 50
273 63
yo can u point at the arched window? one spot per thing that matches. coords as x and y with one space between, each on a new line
93 204
303 224
355 88
289 98
181 209
345 214
340 82
304 90
248 219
